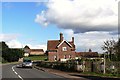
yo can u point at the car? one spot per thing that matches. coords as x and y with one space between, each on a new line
27 63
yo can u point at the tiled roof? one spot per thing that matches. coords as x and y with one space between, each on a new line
52 44
72 44
37 50
87 54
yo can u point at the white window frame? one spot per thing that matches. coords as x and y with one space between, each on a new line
70 56
64 48
55 58
65 57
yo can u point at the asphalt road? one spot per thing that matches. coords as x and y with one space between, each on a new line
10 71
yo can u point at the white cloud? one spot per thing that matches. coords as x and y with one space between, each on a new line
81 15
93 40
8 37
12 41
18 44
14 44
41 19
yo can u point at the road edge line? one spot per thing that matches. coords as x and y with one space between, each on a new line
16 73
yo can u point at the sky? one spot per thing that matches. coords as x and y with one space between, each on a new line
34 23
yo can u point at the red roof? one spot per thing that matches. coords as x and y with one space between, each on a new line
52 44
87 54
37 50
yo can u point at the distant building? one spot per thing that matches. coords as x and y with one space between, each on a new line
60 50
88 54
28 51
36 52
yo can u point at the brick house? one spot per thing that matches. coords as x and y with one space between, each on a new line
88 54
60 50
28 51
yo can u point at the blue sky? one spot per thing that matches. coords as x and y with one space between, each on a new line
33 23
18 18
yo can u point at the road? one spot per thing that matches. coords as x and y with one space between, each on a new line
10 71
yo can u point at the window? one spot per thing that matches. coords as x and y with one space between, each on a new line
64 56
69 56
64 48
55 58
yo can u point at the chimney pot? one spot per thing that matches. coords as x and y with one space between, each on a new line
73 39
90 50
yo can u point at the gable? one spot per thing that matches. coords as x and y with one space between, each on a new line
64 42
37 50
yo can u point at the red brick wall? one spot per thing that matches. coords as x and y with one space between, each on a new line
67 53
51 55
60 54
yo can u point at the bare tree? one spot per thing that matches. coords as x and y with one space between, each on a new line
109 48
117 49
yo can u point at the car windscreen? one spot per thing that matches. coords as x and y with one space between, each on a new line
27 61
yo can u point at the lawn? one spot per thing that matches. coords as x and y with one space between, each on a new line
41 57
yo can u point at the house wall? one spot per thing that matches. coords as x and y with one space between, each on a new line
67 53
26 50
36 53
51 56
61 54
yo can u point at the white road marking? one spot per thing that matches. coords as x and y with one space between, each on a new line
16 73
20 77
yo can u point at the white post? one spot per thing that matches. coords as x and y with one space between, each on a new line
104 64
83 66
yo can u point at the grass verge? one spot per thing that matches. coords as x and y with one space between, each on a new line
41 57
102 75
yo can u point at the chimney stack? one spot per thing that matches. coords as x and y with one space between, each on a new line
61 37
90 50
73 39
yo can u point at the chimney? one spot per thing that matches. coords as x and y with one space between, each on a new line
73 39
61 37
90 50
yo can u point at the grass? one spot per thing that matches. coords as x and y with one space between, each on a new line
41 57
101 75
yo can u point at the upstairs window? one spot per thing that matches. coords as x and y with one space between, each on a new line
64 48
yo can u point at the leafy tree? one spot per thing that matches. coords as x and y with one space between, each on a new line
10 55
4 50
